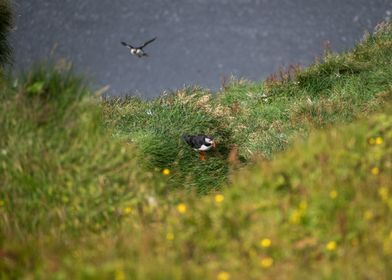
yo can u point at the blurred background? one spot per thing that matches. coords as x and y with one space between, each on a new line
199 41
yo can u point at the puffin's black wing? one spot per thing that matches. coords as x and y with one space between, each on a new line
148 42
195 141
127 45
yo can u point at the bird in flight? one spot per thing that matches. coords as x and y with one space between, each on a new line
201 143
138 51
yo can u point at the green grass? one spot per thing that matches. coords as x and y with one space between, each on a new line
82 194
61 172
259 118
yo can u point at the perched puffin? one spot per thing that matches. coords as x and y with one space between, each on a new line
138 51
201 143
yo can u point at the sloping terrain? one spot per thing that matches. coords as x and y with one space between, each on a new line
255 119
299 187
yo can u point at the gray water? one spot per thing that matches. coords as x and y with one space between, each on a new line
199 41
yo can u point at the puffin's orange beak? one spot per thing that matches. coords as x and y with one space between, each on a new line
213 144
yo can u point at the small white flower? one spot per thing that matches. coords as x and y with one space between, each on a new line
152 201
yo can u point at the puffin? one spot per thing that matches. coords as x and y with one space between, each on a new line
138 51
201 143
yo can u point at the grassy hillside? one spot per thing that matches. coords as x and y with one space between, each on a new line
254 119
83 195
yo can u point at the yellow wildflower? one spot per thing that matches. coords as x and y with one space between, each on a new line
181 208
223 275
295 217
266 262
368 215
387 246
219 198
266 242
333 194
375 170
127 210
169 236
383 192
166 171
379 140
119 274
331 246
303 205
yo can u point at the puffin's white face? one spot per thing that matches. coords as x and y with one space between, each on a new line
210 141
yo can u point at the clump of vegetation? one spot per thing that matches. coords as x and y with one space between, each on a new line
156 128
251 119
75 203
103 190
5 26
61 172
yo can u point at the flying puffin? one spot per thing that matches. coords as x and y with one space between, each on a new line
138 51
201 143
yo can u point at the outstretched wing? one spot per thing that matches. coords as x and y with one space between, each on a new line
148 42
127 45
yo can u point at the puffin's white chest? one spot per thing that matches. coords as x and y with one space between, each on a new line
204 148
137 52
